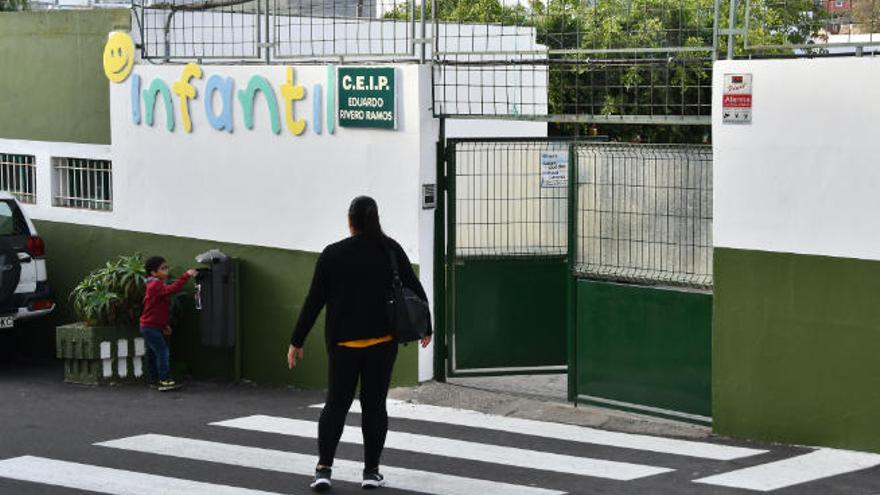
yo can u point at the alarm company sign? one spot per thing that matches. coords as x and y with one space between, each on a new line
736 106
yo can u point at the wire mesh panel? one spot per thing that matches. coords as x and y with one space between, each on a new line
647 61
644 214
475 76
810 26
572 26
211 29
82 183
637 89
502 206
17 176
342 28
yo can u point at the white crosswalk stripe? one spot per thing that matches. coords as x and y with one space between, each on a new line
802 469
817 465
289 462
459 449
571 433
107 480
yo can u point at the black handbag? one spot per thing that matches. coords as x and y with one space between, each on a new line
408 314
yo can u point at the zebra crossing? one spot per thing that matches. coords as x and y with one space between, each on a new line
293 463
733 469
107 480
546 461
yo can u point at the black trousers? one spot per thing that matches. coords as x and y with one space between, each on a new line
371 366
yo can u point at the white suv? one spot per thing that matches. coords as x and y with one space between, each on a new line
24 292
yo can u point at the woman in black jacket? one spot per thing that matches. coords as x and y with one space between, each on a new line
352 278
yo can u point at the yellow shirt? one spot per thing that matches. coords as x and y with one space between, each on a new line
366 342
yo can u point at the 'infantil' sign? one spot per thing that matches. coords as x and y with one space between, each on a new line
367 97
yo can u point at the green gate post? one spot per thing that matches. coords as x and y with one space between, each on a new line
450 254
572 278
440 261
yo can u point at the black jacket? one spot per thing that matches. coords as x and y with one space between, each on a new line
353 278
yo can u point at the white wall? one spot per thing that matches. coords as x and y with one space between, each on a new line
803 177
458 128
43 152
252 186
427 175
255 187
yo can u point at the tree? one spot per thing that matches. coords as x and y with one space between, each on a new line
663 83
475 11
14 5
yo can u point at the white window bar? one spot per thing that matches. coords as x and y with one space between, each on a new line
83 183
17 176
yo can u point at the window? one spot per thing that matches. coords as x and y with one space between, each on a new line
11 220
17 176
83 183
839 3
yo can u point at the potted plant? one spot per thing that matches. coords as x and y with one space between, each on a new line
102 346
113 294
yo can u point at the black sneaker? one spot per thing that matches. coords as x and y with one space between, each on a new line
322 480
372 480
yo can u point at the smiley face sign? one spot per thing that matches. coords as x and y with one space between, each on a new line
118 57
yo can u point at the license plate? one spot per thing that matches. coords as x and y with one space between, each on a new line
7 321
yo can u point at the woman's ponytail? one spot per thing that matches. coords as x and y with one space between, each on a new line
364 216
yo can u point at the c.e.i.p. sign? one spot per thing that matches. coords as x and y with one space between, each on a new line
367 97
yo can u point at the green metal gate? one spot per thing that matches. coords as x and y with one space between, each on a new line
506 256
620 297
641 262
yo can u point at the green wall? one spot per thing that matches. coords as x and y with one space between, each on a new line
643 345
51 74
796 348
272 289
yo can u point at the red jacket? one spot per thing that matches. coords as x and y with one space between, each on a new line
157 307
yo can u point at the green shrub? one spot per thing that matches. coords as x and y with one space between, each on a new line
113 294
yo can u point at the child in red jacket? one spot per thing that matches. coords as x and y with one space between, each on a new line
154 319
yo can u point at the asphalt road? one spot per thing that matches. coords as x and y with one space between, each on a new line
49 431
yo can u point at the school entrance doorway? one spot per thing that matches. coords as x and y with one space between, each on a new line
506 256
585 259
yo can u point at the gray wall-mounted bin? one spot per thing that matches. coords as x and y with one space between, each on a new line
216 298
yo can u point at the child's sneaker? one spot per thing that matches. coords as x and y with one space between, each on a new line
168 385
372 479
322 480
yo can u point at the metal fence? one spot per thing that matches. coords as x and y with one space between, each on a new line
228 31
644 214
341 28
566 61
625 90
502 206
810 27
183 30
569 61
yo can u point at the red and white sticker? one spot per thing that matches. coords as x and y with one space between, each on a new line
736 105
